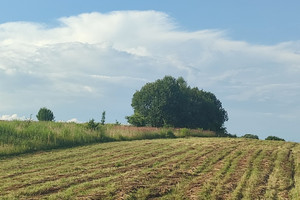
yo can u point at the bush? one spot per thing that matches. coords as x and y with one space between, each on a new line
185 132
274 138
167 133
250 136
92 124
136 119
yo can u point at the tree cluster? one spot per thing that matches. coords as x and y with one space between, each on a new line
274 138
171 102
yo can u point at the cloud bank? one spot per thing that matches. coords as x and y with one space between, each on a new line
96 61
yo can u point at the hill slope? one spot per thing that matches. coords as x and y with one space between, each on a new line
205 168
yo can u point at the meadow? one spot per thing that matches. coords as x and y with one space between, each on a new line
182 168
17 137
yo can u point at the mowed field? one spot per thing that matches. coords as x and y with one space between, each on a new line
188 168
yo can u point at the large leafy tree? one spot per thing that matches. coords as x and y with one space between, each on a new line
171 102
45 114
156 103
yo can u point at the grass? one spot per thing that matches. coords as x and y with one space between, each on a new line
138 133
295 162
18 137
182 168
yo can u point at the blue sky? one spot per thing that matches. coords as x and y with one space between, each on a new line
82 57
263 22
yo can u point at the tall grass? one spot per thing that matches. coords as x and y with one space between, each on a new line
26 136
136 133
20 137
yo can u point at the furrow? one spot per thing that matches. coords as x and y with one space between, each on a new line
238 192
208 168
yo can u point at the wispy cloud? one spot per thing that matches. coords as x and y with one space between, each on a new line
99 60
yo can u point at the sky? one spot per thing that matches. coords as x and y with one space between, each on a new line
80 58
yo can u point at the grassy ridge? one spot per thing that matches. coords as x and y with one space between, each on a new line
26 136
192 168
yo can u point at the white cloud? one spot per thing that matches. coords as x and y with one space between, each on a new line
74 120
11 117
96 61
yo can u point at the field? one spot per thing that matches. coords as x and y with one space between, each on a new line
182 168
17 137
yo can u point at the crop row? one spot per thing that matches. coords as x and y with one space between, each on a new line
194 168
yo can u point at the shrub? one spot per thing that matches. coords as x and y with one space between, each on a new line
184 132
250 136
167 133
136 119
92 124
117 123
274 138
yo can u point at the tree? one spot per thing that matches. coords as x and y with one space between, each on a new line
171 102
157 102
103 118
45 114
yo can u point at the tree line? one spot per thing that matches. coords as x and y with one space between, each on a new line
170 102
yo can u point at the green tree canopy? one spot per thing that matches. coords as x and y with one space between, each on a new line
274 138
171 102
45 114
250 136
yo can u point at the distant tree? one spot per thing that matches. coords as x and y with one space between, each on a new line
274 138
250 136
103 118
171 102
45 114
